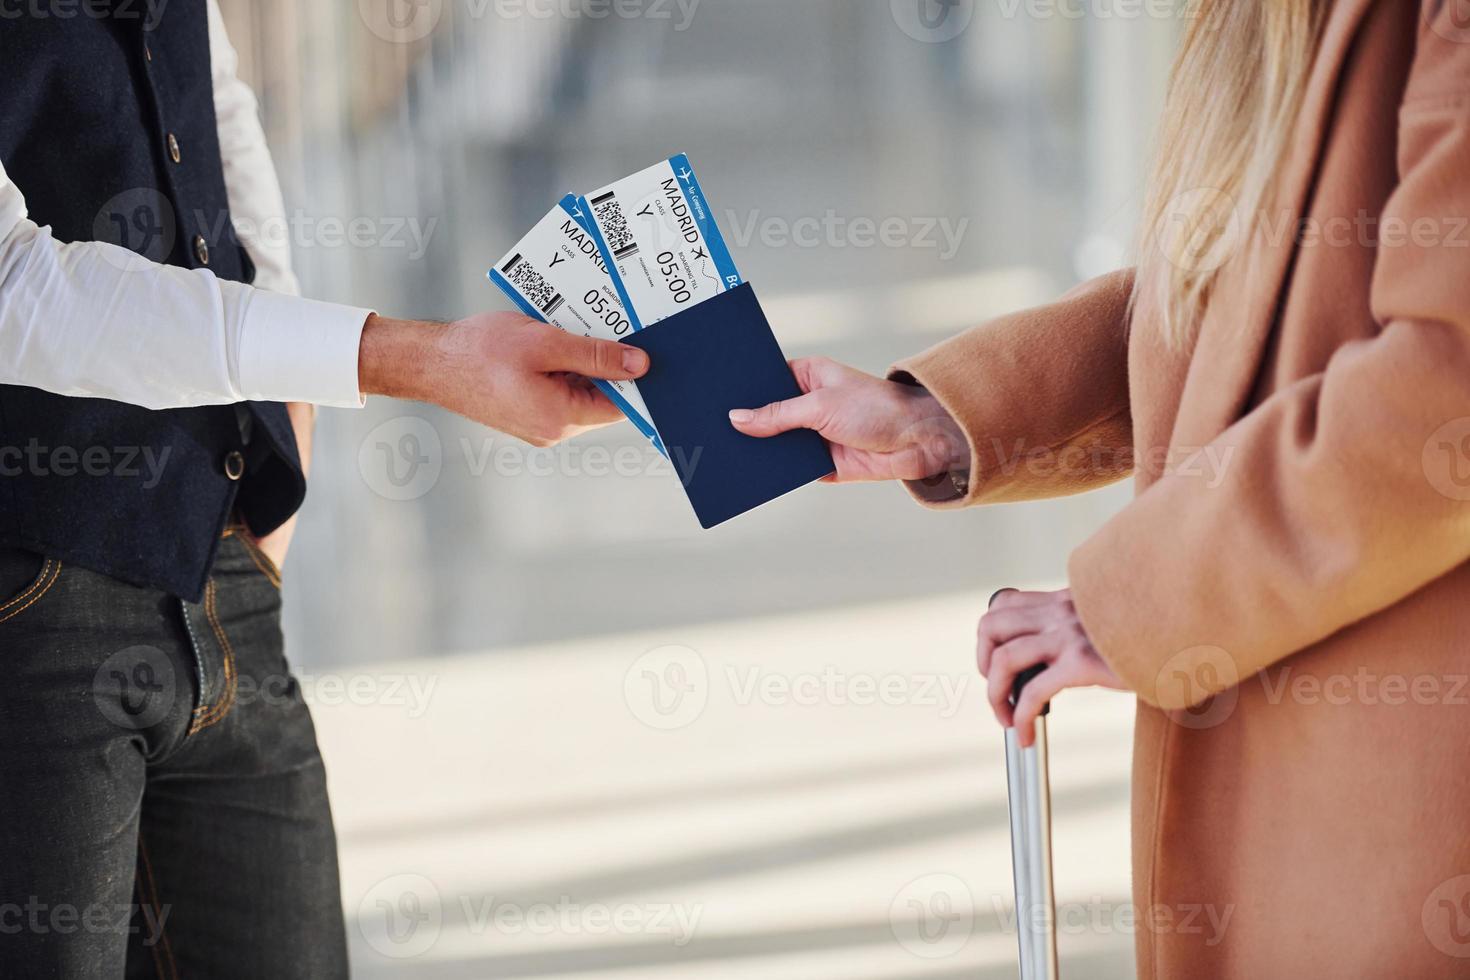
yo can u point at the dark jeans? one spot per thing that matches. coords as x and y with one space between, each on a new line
163 806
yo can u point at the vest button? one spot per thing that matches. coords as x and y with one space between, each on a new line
173 148
201 250
234 465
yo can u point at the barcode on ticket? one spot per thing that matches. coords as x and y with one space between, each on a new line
659 240
614 225
538 292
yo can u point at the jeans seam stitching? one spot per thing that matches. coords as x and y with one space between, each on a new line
145 899
263 561
203 710
198 658
152 900
51 567
35 584
204 717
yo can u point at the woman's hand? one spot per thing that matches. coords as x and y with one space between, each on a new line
1023 629
878 430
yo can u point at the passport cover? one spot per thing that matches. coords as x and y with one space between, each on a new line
705 361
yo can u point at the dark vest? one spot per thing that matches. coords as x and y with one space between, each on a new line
107 127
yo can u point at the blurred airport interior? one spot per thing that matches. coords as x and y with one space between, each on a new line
886 173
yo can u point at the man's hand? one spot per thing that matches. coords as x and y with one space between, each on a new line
878 430
504 370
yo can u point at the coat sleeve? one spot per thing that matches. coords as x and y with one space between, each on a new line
1345 492
1041 395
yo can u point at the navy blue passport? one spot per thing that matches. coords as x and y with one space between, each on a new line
705 361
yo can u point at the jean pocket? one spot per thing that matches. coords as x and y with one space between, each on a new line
262 561
25 577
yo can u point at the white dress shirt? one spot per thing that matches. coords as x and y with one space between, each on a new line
94 319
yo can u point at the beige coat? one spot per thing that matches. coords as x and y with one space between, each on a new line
1289 593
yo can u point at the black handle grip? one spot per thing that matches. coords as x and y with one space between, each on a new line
1026 676
1022 679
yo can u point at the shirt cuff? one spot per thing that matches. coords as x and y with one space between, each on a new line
300 350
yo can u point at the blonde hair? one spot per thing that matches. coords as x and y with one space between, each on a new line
1234 96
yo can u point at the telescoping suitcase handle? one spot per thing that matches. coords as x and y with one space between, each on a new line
1028 797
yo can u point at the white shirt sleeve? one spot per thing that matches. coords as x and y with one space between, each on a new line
254 192
94 319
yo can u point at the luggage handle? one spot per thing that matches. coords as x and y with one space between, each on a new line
1019 684
1030 673
1028 800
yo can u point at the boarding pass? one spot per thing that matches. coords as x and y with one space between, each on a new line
556 274
658 236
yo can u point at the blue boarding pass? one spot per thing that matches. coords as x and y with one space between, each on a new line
658 236
555 273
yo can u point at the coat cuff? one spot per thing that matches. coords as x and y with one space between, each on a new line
1115 599
950 490
1041 396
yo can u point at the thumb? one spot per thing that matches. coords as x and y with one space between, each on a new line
802 412
593 358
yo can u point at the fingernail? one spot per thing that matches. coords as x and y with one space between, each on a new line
740 415
634 361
